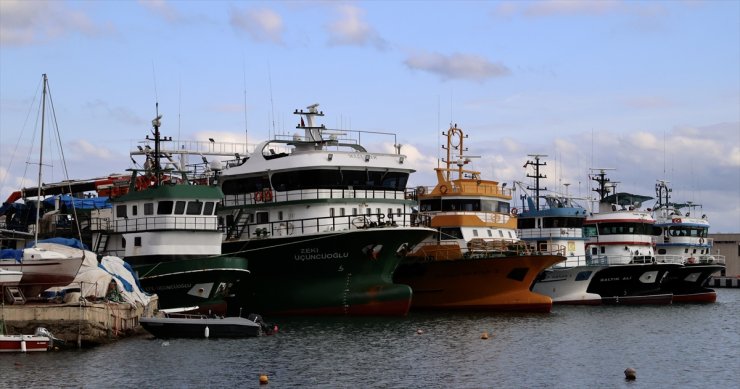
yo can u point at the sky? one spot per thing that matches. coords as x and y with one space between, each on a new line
650 89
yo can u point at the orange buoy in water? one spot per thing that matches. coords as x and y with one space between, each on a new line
630 374
263 379
484 335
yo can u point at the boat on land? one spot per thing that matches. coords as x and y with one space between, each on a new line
179 325
43 265
684 239
41 340
474 261
620 237
165 226
10 277
556 220
323 221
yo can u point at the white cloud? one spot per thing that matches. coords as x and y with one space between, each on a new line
351 30
162 8
81 149
30 22
456 66
263 25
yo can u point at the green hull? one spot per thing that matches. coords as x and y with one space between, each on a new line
202 282
340 273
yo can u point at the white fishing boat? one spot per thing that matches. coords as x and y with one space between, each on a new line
684 238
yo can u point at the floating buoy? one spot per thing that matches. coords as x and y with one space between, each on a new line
207 332
263 379
419 331
165 344
484 335
630 374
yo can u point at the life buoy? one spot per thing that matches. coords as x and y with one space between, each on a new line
514 211
701 240
690 260
443 189
257 197
268 195
421 190
676 220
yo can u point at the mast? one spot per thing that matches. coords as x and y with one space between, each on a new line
536 177
41 161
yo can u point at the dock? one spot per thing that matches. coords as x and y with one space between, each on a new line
80 324
724 282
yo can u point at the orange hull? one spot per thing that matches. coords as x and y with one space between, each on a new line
485 284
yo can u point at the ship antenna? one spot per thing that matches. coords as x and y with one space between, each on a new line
536 177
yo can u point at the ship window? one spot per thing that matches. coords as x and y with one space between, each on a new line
195 208
341 211
280 215
694 252
390 212
377 211
123 243
134 210
594 250
490 234
137 241
149 208
179 208
510 235
583 276
686 251
163 208
209 208
398 211
603 249
475 232
500 234
369 211
450 233
661 251
354 211
250 218
331 212
121 211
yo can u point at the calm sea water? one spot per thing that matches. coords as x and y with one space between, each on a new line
572 347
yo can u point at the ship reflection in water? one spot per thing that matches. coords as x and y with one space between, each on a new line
573 347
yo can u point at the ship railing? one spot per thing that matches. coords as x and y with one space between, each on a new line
573 261
329 224
159 222
611 259
550 233
272 196
711 259
670 258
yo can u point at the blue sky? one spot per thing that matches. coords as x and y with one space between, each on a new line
650 88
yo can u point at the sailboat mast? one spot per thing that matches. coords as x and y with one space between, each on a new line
41 160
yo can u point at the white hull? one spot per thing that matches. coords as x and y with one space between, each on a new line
10 277
45 266
568 285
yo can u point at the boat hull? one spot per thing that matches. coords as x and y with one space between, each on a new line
486 284
632 284
337 273
229 327
24 343
688 283
202 282
568 286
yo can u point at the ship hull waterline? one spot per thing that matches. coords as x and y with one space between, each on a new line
688 283
478 284
203 282
338 273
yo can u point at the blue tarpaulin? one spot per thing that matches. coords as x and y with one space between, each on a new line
84 203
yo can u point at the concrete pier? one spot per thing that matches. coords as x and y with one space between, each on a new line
724 282
78 324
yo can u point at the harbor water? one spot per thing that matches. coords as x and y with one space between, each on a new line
572 347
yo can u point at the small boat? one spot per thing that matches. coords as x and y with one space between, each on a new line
182 325
684 239
41 340
475 261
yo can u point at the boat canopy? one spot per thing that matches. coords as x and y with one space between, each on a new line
624 198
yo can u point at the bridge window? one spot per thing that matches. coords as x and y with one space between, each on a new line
164 208
137 241
209 208
134 210
180 207
121 211
195 207
148 208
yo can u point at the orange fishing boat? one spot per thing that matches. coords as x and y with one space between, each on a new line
475 260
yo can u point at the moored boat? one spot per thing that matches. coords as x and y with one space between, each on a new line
556 220
475 261
174 325
620 237
165 226
684 239
41 340
323 221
